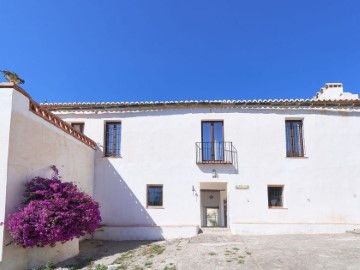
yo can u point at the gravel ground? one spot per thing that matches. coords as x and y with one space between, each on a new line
222 251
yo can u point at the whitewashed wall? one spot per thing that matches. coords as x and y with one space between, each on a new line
158 147
34 146
5 117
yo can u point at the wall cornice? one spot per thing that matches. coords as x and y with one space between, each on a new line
50 117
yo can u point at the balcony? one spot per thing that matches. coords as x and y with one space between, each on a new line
214 153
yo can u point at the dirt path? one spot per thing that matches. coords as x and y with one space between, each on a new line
222 251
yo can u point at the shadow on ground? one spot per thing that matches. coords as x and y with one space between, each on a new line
93 250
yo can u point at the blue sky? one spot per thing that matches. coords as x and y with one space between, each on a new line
138 50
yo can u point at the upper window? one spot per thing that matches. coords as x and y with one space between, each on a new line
212 140
275 196
294 138
112 139
154 195
78 126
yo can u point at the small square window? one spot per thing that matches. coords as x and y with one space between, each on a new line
275 196
78 126
154 196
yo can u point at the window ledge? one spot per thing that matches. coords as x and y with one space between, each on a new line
277 207
305 157
112 156
155 207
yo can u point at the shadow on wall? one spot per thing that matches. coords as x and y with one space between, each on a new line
119 205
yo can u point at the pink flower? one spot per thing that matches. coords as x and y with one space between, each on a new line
54 212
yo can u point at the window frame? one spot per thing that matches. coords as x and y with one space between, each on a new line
112 155
212 140
162 196
282 197
292 139
82 126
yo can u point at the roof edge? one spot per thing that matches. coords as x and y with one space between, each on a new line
284 103
16 87
49 116
59 123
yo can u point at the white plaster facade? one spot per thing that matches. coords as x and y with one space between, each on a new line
30 146
321 191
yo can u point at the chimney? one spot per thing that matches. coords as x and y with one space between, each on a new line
334 91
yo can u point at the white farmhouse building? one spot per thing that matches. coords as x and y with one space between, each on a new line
165 169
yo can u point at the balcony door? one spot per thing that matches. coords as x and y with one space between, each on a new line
212 140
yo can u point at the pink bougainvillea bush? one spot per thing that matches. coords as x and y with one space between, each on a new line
54 211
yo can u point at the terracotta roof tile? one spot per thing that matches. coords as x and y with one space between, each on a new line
203 103
44 113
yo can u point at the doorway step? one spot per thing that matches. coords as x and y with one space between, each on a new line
222 231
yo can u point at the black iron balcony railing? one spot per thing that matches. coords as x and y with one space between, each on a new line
214 152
